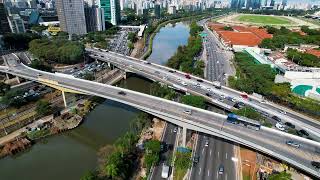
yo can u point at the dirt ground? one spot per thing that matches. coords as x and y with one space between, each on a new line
158 128
249 165
138 48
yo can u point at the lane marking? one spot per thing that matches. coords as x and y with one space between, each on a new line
218 153
226 176
226 155
208 173
199 171
210 151
202 151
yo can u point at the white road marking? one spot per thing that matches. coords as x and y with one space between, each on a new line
199 171
210 151
217 175
208 173
202 151
226 155
226 176
218 153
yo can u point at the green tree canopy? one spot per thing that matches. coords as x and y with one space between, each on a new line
43 108
196 101
280 176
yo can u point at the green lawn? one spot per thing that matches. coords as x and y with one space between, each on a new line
263 19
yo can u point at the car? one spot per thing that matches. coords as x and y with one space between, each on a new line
209 89
187 76
196 159
293 144
221 169
39 74
184 83
206 144
178 79
165 171
280 126
122 93
276 118
163 147
290 125
187 111
304 132
282 112
146 62
315 164
170 71
157 72
222 96
199 80
208 94
175 129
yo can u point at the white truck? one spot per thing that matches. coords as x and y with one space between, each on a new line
217 84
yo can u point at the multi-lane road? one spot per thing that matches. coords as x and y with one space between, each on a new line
225 94
266 140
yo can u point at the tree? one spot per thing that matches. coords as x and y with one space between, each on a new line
18 41
152 146
132 37
249 113
196 101
43 108
89 176
280 176
130 45
227 28
14 98
183 160
88 76
41 65
162 91
4 88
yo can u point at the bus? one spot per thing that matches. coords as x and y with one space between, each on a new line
249 123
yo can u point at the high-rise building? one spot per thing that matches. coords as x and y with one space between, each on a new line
172 9
272 3
71 16
238 4
284 3
4 24
16 23
111 10
157 10
115 11
94 18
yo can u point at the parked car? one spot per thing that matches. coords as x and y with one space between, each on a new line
276 118
199 80
187 76
304 132
293 144
206 144
280 126
290 125
208 94
171 71
283 112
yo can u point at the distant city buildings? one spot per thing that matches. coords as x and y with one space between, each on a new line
4 24
94 18
172 9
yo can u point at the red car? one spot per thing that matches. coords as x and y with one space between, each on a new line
187 76
245 96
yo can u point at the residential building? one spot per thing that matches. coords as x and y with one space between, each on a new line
16 23
71 16
157 10
172 9
4 24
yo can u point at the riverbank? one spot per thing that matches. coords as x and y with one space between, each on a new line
149 41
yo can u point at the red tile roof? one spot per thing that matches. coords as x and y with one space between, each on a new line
313 52
249 36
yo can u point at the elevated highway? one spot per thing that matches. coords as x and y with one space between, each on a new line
266 140
174 77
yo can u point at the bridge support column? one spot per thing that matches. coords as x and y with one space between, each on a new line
18 80
64 99
184 136
7 76
109 64
124 75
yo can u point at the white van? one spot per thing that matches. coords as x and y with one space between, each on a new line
165 171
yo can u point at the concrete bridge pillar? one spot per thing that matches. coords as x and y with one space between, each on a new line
64 99
184 136
124 75
18 80
7 76
109 64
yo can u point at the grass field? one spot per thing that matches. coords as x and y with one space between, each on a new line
256 19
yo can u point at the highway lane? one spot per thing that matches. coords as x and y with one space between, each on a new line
265 141
177 77
169 138
218 152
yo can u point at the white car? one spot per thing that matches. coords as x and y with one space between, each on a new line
206 144
222 96
184 83
179 79
209 89
187 111
280 126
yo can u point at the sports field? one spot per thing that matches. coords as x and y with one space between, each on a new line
266 20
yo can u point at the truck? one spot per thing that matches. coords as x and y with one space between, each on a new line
217 84
165 171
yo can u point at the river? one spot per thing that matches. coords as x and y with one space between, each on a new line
167 40
69 155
